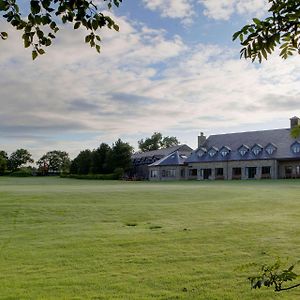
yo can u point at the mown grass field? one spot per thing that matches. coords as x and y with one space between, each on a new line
72 239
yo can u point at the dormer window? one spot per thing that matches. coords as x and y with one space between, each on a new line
257 149
225 151
212 151
296 148
270 149
243 150
201 152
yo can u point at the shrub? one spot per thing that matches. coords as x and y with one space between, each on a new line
91 176
23 172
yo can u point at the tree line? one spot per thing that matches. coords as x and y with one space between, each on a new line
114 159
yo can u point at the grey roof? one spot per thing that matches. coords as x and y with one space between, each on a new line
162 152
280 138
173 159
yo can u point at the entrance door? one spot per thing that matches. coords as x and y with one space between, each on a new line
251 172
206 173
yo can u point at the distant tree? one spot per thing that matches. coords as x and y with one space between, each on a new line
157 141
54 161
82 163
39 20
120 156
295 132
3 161
19 158
169 141
282 27
100 157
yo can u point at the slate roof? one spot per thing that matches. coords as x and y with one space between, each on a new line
162 152
280 138
173 159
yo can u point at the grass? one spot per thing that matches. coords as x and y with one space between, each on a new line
73 239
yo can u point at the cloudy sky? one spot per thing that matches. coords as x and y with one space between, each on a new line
172 68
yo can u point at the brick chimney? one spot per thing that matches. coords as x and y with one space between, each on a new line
295 121
201 140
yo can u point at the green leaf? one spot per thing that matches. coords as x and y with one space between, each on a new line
77 25
41 51
256 21
34 54
116 27
87 38
35 7
4 35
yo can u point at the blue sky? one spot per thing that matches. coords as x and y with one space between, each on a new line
172 68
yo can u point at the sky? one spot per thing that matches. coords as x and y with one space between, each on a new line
171 68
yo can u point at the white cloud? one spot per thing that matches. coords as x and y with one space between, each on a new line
224 9
175 9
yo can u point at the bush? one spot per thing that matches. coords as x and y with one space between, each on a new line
24 172
91 176
119 173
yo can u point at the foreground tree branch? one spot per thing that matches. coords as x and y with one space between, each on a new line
274 276
282 27
41 24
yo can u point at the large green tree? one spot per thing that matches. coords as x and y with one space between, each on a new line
121 155
19 158
157 141
281 27
39 20
54 161
82 163
100 160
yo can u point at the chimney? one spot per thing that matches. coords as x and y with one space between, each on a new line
295 121
201 140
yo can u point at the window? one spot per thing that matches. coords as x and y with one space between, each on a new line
251 171
256 149
192 172
212 152
296 148
266 170
270 149
163 173
243 150
225 151
171 173
182 172
298 170
154 173
206 173
201 152
219 172
236 173
288 170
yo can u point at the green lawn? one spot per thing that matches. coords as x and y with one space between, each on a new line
72 239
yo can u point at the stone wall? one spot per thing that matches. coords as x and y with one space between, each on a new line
228 166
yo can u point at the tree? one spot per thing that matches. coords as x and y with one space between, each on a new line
100 157
282 27
54 161
82 163
121 155
157 141
3 161
40 25
18 159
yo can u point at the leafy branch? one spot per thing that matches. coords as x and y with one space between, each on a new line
260 38
274 276
41 24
